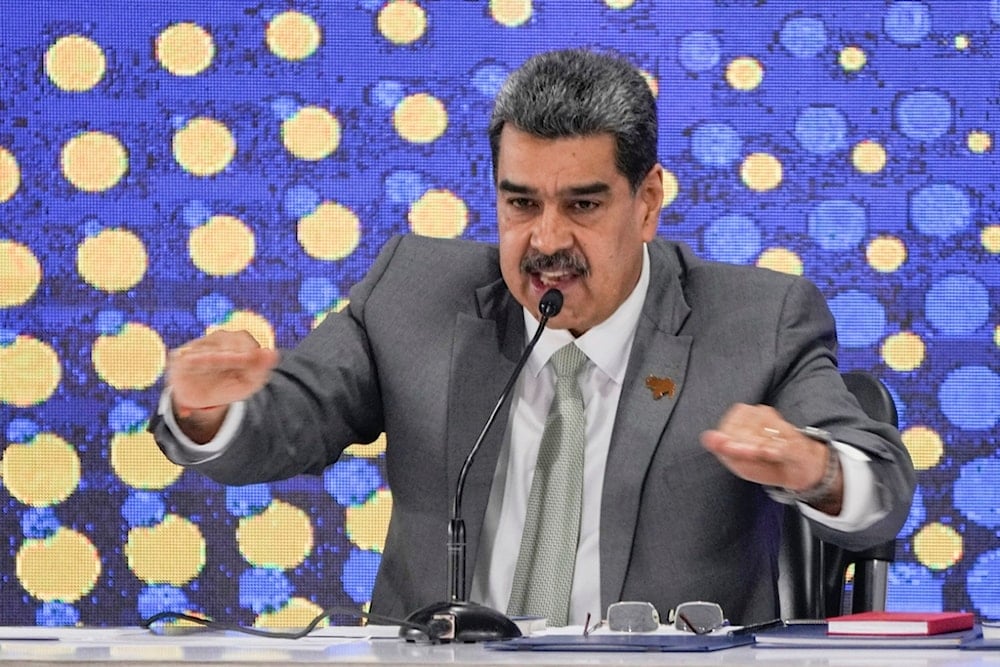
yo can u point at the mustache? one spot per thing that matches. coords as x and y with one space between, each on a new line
560 261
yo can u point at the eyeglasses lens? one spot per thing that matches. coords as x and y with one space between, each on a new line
700 618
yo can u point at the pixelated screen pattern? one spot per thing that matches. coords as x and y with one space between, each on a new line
169 168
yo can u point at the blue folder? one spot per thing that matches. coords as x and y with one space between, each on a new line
623 643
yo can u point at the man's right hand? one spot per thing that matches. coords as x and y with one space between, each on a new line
207 374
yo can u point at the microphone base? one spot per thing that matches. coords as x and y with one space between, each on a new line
457 621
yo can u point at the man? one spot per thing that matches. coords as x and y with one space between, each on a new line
696 380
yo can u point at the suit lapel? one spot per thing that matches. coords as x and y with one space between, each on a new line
486 346
659 352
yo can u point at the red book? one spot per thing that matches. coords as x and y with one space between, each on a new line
900 623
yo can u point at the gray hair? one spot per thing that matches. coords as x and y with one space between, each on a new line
577 92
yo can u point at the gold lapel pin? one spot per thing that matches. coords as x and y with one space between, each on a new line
661 387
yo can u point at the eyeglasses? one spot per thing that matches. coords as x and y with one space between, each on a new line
698 617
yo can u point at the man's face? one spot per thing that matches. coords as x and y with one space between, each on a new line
568 219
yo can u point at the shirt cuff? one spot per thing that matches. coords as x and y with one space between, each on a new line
193 452
860 506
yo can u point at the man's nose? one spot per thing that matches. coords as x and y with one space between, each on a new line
551 232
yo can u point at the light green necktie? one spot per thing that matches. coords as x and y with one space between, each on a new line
543 578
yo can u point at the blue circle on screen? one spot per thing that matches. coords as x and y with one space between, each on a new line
109 322
821 129
213 309
143 508
488 78
716 144
970 397
387 93
300 201
57 614
838 224
161 597
316 294
734 239
285 107
977 491
196 213
352 481
21 430
907 22
860 318
244 501
92 226
924 115
913 587
264 589
940 209
803 36
38 523
981 583
957 305
127 416
358 575
404 186
700 51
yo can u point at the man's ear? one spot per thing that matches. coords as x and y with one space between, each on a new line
651 194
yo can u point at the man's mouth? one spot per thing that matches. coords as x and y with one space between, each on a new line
543 281
556 270
554 278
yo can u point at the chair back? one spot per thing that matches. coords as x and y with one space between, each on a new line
811 582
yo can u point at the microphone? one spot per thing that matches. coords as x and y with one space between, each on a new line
458 619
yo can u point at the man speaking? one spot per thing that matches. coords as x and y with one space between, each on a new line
666 413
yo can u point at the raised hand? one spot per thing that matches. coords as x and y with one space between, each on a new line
756 443
207 374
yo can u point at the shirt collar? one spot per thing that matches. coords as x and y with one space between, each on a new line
607 344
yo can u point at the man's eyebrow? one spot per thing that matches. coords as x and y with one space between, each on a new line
590 189
574 191
515 188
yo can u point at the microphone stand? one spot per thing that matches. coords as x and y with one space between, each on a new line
458 619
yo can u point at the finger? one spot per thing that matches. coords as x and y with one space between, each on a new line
203 377
747 422
773 446
201 360
713 439
759 450
221 340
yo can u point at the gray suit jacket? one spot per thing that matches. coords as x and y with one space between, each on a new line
424 349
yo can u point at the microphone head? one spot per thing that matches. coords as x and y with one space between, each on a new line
551 303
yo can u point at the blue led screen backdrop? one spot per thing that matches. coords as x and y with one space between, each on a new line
168 168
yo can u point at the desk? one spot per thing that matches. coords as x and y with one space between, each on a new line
134 646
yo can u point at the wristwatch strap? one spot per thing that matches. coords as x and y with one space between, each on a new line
821 490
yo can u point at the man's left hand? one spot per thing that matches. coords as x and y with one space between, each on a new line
756 443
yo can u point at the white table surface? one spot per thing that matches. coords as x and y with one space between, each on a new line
35 647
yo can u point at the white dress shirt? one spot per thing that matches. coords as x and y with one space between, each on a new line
607 347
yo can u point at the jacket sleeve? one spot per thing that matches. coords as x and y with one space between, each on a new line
322 397
808 391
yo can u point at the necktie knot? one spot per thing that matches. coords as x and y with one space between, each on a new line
568 360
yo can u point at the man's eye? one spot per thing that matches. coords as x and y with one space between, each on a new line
585 205
521 202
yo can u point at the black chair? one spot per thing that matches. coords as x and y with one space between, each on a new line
811 572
